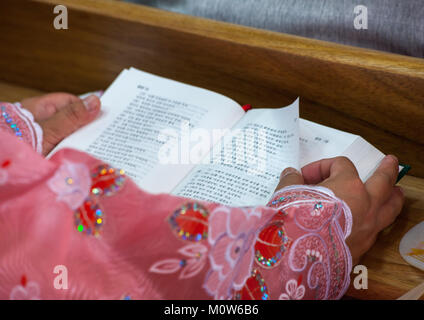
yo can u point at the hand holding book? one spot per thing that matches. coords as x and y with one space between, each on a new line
374 204
368 189
60 115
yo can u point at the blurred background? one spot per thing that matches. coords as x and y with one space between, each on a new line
393 25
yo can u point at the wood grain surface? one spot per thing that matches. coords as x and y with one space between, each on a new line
13 93
389 275
377 95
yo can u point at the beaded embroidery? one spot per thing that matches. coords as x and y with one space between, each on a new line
235 247
89 218
21 122
318 207
9 121
190 222
279 200
106 181
255 288
271 244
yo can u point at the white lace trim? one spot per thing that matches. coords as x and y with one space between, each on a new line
38 131
348 222
328 192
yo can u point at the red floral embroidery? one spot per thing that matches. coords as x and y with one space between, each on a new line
89 217
6 163
272 243
190 222
26 290
255 288
24 280
106 181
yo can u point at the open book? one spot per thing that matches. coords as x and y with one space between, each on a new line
179 139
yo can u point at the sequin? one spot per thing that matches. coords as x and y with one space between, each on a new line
271 244
106 180
255 288
280 200
317 209
86 218
190 222
9 121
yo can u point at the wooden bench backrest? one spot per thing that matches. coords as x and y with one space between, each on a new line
377 95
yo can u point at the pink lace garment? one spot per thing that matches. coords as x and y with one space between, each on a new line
119 242
20 122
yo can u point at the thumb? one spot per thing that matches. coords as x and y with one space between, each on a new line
67 120
290 176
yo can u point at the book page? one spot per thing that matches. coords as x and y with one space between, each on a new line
142 112
319 142
244 168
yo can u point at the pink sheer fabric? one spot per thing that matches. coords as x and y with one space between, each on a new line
20 122
119 242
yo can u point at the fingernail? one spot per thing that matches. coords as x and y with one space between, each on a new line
288 171
391 158
90 103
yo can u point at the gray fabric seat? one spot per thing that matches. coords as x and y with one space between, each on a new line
393 25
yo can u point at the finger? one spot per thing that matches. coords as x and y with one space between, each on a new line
380 184
45 106
67 120
318 171
391 209
289 177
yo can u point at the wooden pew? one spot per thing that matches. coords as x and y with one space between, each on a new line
377 95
